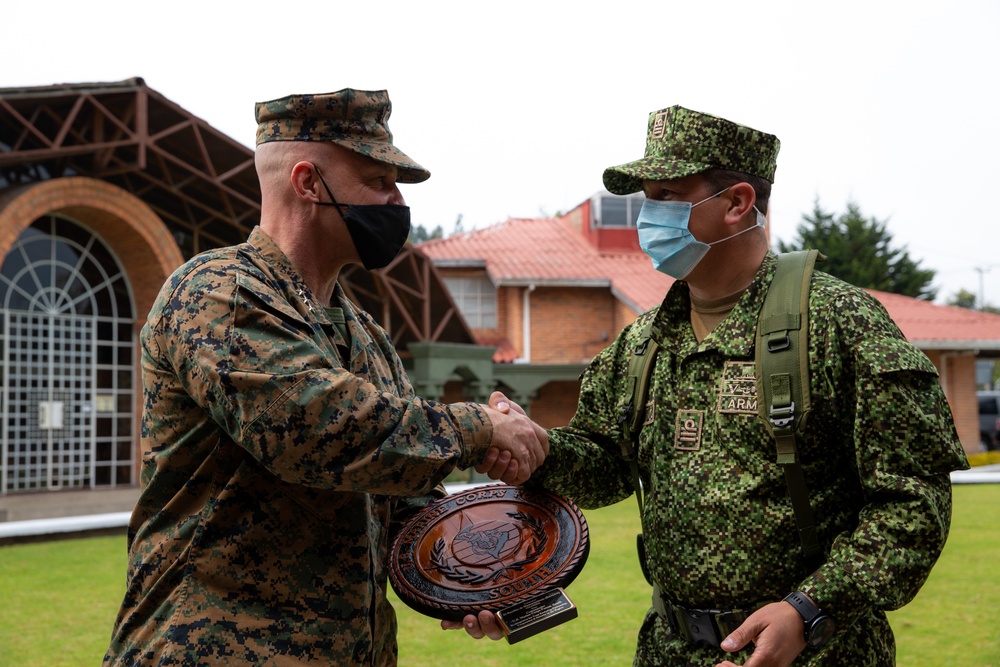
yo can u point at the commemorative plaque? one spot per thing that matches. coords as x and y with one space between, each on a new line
499 548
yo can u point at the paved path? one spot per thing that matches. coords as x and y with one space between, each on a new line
33 516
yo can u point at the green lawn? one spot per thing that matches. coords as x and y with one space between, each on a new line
58 601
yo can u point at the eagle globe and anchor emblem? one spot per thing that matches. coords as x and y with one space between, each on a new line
484 547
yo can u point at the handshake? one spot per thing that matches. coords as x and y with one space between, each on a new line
519 445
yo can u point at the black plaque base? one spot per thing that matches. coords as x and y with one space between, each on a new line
536 614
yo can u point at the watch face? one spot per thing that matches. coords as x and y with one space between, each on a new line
821 630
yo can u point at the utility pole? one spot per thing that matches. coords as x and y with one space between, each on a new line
982 296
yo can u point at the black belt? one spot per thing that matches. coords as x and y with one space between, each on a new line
699 626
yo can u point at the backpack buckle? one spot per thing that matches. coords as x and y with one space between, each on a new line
782 417
778 344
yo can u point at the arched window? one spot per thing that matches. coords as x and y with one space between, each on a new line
67 370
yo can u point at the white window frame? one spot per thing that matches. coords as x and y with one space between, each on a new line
633 203
476 298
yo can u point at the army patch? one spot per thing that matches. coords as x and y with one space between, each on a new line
688 430
738 388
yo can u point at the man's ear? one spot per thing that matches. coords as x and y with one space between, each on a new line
304 182
742 199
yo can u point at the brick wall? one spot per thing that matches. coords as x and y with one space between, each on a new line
124 222
556 403
624 316
510 315
958 377
570 324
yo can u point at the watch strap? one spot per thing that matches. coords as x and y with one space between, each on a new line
803 605
817 626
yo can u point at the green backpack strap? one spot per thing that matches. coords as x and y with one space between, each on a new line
632 403
631 411
783 395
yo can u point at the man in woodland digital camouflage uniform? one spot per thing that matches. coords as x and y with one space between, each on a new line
279 432
722 548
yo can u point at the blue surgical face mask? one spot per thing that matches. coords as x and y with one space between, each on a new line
664 235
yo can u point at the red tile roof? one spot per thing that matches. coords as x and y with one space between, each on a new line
550 251
505 352
930 326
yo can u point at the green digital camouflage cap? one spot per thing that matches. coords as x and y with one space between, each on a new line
354 119
681 142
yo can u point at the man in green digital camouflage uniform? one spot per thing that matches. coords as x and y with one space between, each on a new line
718 523
279 430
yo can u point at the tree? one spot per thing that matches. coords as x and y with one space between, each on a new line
963 299
419 234
860 251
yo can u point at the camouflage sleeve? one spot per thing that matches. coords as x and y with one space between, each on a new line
905 445
585 462
276 386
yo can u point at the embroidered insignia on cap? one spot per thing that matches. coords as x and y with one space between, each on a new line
659 123
687 433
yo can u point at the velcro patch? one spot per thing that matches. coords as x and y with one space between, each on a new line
650 413
688 430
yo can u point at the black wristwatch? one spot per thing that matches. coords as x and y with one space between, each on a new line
819 627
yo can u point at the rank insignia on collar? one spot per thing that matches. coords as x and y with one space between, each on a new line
305 299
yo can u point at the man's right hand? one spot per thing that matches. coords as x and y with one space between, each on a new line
519 445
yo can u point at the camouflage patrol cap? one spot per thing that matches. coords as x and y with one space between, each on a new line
354 119
681 142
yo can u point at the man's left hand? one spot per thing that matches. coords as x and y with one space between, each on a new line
483 625
776 632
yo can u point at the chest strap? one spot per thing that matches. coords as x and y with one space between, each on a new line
783 395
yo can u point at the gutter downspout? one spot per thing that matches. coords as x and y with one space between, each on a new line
525 357
945 358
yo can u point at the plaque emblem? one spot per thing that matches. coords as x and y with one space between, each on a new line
487 543
493 547
486 547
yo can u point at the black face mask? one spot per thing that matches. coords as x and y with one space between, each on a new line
378 231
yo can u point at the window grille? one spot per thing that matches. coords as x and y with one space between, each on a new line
67 371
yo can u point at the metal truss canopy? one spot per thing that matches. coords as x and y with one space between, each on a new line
199 181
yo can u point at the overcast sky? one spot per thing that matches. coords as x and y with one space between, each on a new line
517 107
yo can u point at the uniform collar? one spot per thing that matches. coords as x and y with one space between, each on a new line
733 338
284 272
297 292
